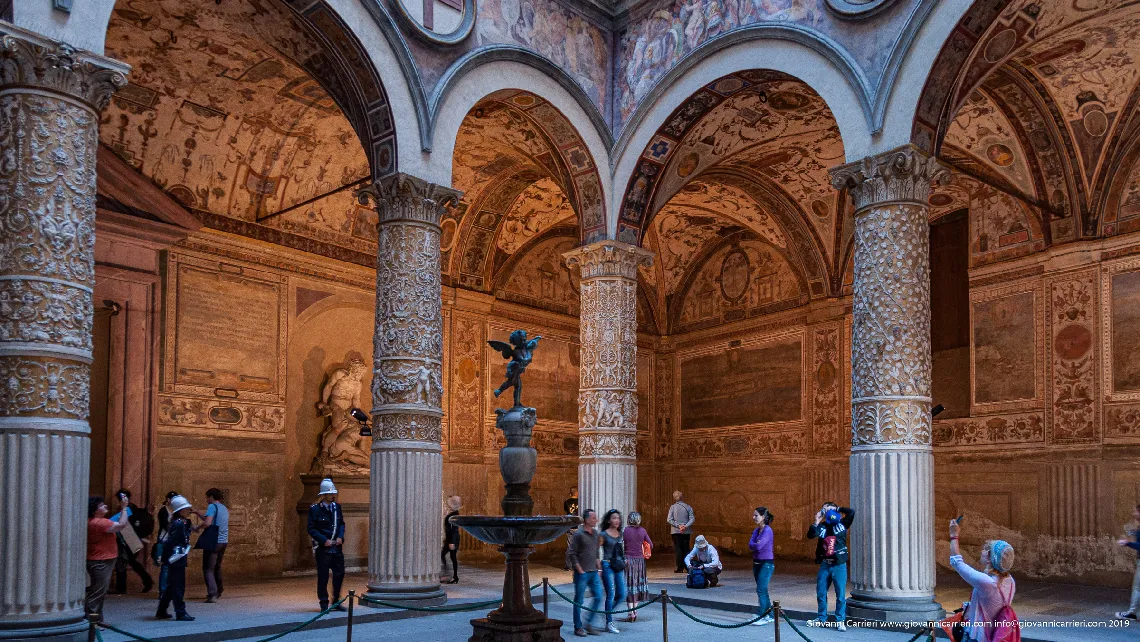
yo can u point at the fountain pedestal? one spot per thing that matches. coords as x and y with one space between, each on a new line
516 533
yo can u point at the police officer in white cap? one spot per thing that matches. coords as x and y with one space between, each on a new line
326 527
175 549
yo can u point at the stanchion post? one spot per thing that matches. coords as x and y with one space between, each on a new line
91 621
546 598
351 599
664 615
776 616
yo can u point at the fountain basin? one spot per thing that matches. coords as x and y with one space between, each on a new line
516 530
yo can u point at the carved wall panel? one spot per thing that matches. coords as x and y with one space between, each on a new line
1006 364
664 406
467 368
1073 403
1021 429
826 379
201 415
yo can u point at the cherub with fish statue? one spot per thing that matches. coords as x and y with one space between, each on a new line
520 352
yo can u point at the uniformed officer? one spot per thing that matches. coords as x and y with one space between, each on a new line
326 527
175 549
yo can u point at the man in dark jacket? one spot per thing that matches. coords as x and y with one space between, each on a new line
326 527
451 539
830 532
142 523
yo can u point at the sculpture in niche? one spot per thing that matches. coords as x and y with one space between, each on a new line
341 447
520 352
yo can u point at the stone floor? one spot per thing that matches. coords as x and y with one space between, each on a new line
250 611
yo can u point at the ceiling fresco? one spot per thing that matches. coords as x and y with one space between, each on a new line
1065 73
522 168
220 114
984 131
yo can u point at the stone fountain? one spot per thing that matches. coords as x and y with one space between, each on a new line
517 531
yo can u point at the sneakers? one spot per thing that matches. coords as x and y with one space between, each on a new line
764 621
581 633
611 628
185 618
842 626
1124 615
211 600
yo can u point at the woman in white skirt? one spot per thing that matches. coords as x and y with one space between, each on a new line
637 542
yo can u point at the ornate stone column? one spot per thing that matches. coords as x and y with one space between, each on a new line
607 394
50 99
404 518
892 464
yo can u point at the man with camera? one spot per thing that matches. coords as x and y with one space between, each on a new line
830 532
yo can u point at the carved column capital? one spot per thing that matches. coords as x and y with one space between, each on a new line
402 197
903 175
30 60
608 258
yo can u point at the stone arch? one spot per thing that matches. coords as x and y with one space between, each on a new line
504 69
759 136
792 50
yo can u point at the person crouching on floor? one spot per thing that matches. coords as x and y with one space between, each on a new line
175 549
326 527
704 557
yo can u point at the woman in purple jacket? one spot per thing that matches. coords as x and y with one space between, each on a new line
763 562
635 580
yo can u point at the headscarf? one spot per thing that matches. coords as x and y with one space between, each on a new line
1001 556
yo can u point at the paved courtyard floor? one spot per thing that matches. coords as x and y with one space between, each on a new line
254 610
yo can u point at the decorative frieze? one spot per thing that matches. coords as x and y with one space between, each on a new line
1026 428
41 387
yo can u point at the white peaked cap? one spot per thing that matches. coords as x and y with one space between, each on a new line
327 487
177 503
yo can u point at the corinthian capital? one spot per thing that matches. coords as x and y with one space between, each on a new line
608 258
905 175
30 60
401 197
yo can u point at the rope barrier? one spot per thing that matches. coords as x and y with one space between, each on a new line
300 626
921 633
716 624
797 631
438 609
603 611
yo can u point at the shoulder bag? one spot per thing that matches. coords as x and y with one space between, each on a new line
208 540
617 558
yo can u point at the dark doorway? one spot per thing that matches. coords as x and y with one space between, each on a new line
950 313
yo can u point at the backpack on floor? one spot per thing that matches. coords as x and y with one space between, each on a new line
697 580
1005 627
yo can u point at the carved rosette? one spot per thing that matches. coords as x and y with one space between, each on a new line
408 342
890 354
607 398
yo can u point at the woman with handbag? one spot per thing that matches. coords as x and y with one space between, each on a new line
638 548
213 542
613 564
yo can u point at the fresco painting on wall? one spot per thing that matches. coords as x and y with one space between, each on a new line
1004 333
551 384
743 386
746 279
1125 332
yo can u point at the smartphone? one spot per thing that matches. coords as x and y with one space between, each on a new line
958 521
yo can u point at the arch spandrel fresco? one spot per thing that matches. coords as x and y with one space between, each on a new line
986 133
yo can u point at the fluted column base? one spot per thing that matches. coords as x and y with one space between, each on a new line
42 568
405 523
892 544
603 485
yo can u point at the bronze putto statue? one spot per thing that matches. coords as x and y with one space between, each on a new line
520 352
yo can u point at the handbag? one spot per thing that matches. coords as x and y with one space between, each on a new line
617 559
646 549
208 540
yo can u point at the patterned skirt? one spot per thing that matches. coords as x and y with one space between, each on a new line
637 586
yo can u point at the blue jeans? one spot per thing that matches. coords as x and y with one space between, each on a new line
762 572
615 588
582 581
832 574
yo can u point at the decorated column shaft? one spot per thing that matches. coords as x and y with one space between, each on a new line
50 99
607 394
892 464
407 460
